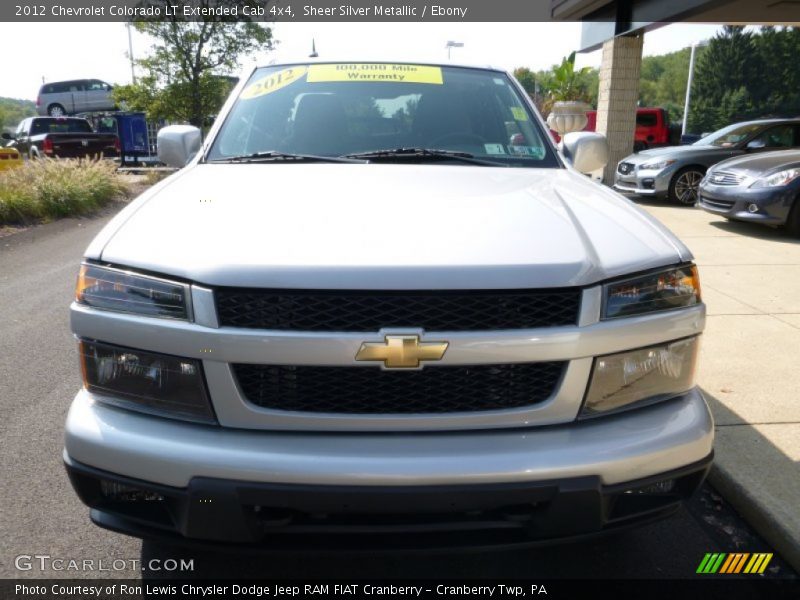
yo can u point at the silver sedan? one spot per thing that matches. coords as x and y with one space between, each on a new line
676 171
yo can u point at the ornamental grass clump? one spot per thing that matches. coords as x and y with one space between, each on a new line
48 188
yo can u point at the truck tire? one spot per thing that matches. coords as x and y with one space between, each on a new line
56 110
683 188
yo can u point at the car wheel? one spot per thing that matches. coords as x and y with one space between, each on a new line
684 186
56 110
793 222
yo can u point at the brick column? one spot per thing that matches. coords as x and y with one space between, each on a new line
617 98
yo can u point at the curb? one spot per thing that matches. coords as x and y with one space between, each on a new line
757 513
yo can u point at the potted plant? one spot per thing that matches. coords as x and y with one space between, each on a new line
568 111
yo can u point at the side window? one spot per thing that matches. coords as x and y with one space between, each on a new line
38 126
647 119
77 86
781 136
95 86
22 128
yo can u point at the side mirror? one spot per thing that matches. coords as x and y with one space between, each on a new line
587 151
177 144
755 145
6 136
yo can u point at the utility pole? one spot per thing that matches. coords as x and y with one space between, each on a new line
130 51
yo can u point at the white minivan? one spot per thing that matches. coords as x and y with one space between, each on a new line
61 98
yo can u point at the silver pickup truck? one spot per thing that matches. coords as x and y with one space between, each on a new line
378 301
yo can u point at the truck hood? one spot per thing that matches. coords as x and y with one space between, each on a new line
389 226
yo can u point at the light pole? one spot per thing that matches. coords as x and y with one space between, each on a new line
451 44
130 51
689 84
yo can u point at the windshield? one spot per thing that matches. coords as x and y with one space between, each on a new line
730 136
353 108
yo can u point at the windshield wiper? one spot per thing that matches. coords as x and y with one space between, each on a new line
274 155
424 154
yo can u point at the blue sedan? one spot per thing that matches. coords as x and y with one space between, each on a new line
760 188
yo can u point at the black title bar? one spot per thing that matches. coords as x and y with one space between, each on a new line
720 11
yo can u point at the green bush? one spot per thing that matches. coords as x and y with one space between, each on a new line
52 188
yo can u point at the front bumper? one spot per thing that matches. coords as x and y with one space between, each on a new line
544 483
732 202
281 516
644 183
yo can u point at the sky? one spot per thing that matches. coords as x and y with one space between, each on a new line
99 50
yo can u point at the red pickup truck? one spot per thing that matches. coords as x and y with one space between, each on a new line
652 128
63 137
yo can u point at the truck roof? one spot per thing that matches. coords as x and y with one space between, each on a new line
390 59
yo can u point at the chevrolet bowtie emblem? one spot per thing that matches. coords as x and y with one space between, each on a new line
401 351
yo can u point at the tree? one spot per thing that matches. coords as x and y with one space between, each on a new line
12 111
746 75
527 79
776 54
663 81
184 76
727 70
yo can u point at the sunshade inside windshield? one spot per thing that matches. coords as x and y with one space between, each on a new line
340 109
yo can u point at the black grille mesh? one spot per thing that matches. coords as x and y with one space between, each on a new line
311 310
371 390
625 167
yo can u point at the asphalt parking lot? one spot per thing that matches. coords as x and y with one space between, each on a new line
41 515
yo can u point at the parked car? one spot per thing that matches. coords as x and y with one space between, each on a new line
63 137
9 157
652 128
761 188
61 98
334 319
676 171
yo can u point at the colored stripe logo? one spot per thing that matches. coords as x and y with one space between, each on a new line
734 563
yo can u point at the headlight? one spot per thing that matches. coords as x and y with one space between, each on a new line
664 290
641 377
656 166
114 289
777 179
147 382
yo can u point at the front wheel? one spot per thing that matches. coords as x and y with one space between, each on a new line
793 222
685 185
